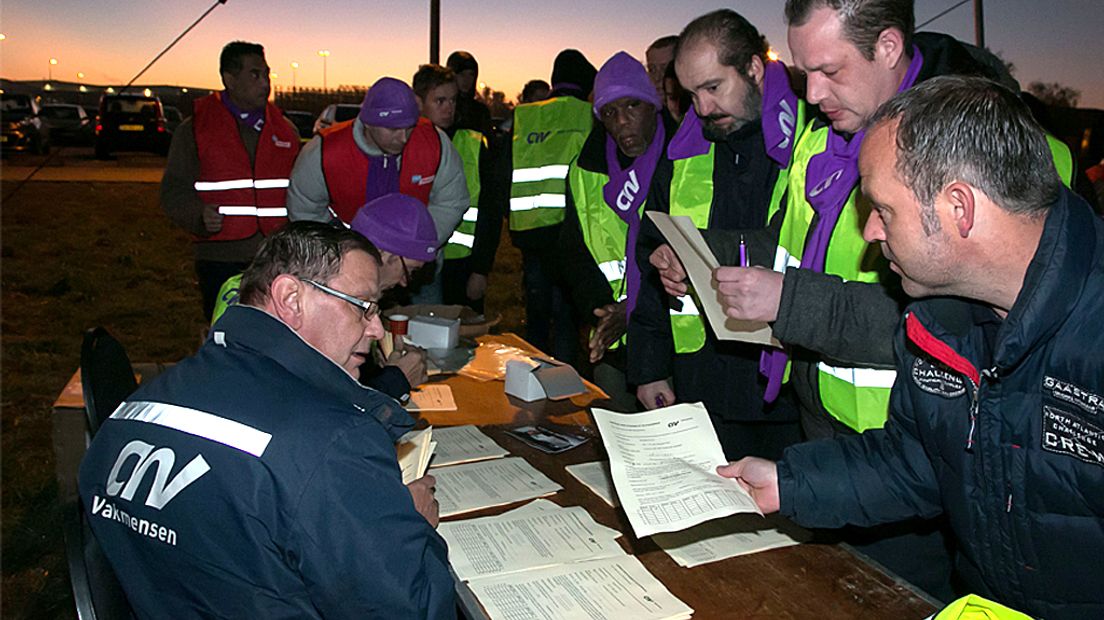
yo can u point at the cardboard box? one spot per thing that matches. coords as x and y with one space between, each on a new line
434 332
541 378
472 325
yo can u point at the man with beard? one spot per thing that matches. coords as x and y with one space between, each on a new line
726 169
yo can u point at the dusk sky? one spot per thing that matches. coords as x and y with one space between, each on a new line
514 41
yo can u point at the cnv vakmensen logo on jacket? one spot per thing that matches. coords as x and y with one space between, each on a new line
935 380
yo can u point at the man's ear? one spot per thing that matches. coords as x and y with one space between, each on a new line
286 300
756 71
889 49
963 204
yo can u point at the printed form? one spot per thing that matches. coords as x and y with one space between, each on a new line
468 487
464 444
663 463
617 588
525 539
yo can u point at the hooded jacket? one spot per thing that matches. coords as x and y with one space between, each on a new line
997 424
265 478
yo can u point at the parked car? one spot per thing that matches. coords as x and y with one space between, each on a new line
173 117
131 122
69 123
23 129
303 121
336 113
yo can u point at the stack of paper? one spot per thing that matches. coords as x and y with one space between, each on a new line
546 561
596 477
729 537
530 537
472 486
663 463
431 397
414 451
464 444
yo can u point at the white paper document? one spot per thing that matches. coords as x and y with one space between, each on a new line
532 538
596 477
471 486
699 262
618 588
464 444
730 537
663 463
545 505
431 397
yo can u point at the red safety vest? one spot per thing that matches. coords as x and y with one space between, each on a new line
250 197
345 166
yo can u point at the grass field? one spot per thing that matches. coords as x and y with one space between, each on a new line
77 255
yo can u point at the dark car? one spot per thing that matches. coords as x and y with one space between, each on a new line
69 123
173 117
131 122
303 121
23 126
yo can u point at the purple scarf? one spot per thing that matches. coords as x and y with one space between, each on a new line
254 119
778 118
829 179
625 193
383 176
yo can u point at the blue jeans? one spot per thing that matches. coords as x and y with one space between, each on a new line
549 325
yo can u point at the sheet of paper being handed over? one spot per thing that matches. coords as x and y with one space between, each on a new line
663 463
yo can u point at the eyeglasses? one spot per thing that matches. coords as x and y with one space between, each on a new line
406 271
369 308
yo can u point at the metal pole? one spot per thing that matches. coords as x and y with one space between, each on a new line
979 24
174 42
434 31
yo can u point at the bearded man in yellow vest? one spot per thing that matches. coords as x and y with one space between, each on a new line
607 186
547 137
727 168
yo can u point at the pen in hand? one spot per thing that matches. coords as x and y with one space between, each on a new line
743 253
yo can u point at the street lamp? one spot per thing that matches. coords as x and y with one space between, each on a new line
50 69
294 72
324 54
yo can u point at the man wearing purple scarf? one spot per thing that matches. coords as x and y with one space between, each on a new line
595 259
725 167
831 298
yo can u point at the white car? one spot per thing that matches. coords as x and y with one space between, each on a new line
335 113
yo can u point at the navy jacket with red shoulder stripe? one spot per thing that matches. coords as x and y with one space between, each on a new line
997 424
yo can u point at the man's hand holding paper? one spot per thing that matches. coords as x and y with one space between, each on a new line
749 293
759 477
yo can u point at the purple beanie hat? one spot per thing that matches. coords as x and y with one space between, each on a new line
389 103
398 224
623 76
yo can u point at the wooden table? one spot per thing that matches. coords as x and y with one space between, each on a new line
803 581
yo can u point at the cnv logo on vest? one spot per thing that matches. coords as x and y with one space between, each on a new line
628 192
936 380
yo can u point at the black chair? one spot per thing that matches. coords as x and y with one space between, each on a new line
107 376
96 590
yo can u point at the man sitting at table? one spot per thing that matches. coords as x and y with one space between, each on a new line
258 479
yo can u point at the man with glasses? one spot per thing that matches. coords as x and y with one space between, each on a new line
275 490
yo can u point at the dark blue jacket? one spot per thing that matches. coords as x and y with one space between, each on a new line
998 424
257 479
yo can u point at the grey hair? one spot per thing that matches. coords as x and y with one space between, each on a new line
970 129
863 20
307 250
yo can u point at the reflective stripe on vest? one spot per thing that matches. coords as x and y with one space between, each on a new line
252 195
858 397
548 136
469 144
604 232
691 195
